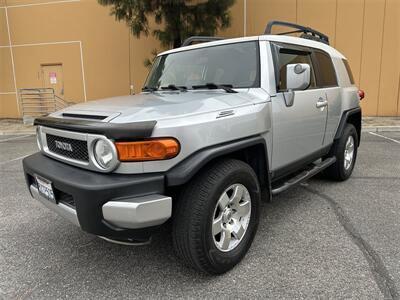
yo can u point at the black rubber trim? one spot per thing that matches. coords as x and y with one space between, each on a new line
185 170
127 131
91 190
343 121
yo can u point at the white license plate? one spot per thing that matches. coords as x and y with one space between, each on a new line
45 188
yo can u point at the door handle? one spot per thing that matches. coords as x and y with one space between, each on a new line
321 103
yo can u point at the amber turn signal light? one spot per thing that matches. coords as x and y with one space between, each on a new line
156 149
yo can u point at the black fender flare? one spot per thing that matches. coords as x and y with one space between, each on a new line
348 114
186 169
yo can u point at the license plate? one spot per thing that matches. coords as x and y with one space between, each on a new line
45 188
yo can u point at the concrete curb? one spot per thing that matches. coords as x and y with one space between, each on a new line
380 128
21 132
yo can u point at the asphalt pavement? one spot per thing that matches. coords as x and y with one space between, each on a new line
321 239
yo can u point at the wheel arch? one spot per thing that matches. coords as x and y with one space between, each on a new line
252 150
352 116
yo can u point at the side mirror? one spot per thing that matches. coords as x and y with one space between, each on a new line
297 78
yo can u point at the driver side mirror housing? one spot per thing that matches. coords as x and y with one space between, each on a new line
297 78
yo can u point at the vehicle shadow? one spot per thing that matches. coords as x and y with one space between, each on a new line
62 254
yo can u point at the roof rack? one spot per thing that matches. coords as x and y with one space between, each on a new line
201 39
308 33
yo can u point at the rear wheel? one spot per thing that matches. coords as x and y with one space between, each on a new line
217 216
345 151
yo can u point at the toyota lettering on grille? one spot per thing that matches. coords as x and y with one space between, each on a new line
64 146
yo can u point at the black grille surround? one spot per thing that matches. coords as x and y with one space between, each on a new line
79 148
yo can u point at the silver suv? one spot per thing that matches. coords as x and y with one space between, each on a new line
220 126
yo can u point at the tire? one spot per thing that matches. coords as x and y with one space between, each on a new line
341 170
199 206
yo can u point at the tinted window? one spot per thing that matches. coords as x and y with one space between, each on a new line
287 57
235 64
346 64
327 75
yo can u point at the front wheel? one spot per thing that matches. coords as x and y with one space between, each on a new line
216 217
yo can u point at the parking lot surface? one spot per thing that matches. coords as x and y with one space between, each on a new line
321 239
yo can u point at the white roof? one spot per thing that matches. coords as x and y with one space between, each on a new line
275 38
302 42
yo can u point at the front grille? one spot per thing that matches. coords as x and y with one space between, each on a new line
69 148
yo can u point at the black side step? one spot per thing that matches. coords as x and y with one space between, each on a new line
318 167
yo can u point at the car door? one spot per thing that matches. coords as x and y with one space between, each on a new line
327 79
298 130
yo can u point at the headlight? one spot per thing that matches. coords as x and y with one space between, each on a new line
38 138
103 153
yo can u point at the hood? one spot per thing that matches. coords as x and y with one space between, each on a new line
159 105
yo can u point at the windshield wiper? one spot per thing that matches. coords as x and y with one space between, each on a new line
213 86
149 89
174 88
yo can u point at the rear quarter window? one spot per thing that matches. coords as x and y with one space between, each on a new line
346 64
326 75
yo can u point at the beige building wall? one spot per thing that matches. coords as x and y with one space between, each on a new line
367 32
100 58
92 48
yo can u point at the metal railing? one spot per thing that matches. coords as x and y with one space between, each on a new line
36 102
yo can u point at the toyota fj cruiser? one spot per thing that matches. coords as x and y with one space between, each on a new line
220 126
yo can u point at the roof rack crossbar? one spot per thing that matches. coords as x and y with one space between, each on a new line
308 32
201 39
289 32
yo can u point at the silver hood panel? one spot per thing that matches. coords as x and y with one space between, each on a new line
160 105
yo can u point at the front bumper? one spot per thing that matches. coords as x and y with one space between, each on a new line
110 205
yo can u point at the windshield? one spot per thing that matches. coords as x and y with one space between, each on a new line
236 65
